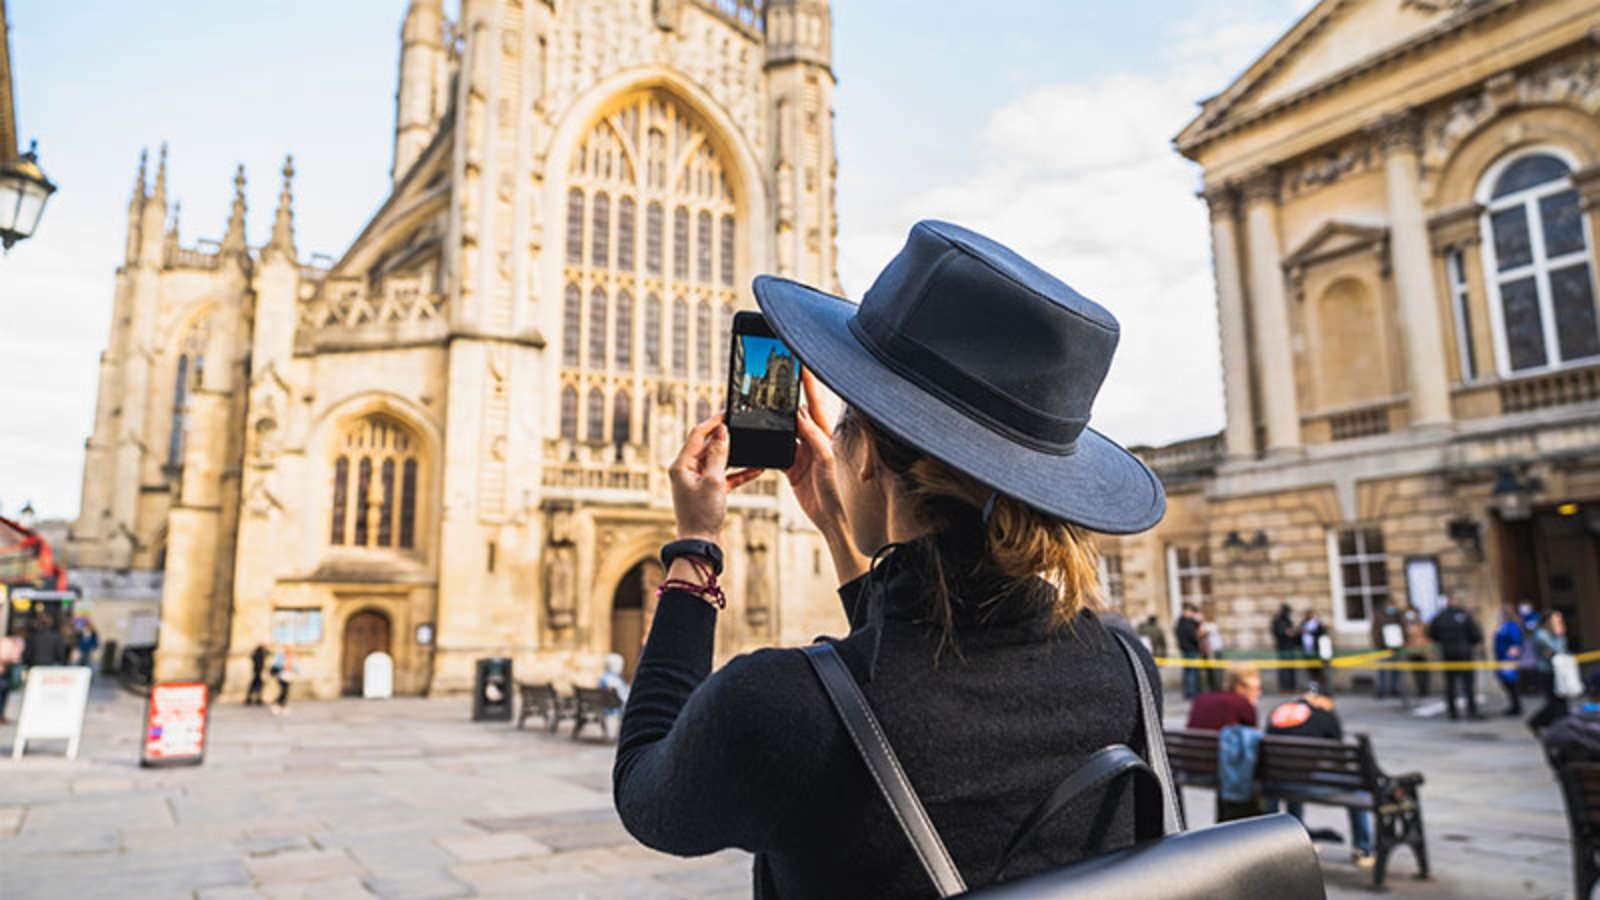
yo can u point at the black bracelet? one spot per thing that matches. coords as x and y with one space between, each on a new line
705 550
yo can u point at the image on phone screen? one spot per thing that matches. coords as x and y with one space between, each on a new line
763 395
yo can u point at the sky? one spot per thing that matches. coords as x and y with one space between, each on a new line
757 350
1043 123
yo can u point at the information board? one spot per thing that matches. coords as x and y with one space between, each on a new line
175 724
53 701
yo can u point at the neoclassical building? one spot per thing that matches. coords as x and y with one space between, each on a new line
449 443
1403 201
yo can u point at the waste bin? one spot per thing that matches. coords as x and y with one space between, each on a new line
491 695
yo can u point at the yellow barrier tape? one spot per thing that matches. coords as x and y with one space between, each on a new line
1376 659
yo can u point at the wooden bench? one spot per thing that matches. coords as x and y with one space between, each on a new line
542 700
592 706
1580 788
1317 770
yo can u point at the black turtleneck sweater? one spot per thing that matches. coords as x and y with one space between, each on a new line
755 757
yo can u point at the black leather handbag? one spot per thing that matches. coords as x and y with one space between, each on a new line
1262 858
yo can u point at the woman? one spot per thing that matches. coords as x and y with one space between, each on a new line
1549 640
968 478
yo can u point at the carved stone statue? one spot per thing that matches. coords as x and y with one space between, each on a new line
562 582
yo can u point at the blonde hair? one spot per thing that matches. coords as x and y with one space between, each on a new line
1019 540
1238 675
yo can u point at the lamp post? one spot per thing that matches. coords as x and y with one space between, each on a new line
1513 495
23 192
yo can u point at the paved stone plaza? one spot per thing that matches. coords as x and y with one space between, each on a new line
408 799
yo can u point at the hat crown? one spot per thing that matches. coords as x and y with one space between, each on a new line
990 333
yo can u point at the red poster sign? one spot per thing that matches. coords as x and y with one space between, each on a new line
175 724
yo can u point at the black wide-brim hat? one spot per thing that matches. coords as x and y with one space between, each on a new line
982 360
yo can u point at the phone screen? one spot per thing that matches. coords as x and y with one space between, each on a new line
763 396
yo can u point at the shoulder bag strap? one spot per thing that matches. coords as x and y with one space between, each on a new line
1103 766
1155 740
875 751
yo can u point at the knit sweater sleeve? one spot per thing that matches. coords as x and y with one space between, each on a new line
709 761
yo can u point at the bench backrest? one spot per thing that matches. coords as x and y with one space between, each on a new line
597 698
536 693
1192 752
1580 782
1345 764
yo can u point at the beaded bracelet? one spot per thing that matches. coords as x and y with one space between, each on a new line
710 591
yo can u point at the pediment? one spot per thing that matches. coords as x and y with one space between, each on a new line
1338 240
1333 39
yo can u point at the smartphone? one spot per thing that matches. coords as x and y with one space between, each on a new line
763 396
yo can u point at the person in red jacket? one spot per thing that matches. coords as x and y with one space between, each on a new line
1235 704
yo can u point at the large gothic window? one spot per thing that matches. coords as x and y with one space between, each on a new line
191 366
651 221
375 486
1537 257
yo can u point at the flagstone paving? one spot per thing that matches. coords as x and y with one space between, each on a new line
406 798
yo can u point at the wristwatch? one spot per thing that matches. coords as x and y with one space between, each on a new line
703 549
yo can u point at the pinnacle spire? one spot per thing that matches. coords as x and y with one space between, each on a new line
283 224
233 241
172 226
139 179
159 194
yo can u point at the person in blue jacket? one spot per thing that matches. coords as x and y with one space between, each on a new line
1509 642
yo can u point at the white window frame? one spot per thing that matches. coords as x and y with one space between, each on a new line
1117 599
1336 563
1455 265
1539 268
1175 577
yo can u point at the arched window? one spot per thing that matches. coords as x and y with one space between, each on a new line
575 227
680 337
703 247
569 413
702 410
625 234
1537 256
381 455
652 239
597 328
596 432
571 325
622 349
600 243
191 367
652 333
621 418
723 344
680 243
702 340
727 250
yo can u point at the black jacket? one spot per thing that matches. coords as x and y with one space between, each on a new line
44 647
1456 632
754 756
1188 634
1283 632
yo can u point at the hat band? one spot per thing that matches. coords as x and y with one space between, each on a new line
981 402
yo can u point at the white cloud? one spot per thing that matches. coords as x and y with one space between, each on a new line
1081 177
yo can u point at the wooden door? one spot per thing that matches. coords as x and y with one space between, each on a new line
365 632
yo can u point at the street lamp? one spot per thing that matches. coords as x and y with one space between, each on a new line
1513 496
23 192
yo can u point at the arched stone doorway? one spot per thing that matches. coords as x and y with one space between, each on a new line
632 607
365 633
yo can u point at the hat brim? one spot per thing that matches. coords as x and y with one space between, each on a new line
1099 485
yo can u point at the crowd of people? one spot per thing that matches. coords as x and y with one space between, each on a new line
45 643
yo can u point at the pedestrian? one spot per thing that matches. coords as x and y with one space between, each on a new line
1187 632
1312 715
612 676
283 671
88 643
1233 704
1286 642
1458 636
960 531
1210 650
1155 639
1418 648
258 662
10 670
44 645
1388 633
1508 649
1549 641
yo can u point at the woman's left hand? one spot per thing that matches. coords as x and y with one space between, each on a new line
701 481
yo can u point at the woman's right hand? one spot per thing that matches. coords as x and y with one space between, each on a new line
813 478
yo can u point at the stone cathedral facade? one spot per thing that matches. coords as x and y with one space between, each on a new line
450 443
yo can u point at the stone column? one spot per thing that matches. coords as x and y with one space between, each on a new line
1239 435
1269 306
1427 373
